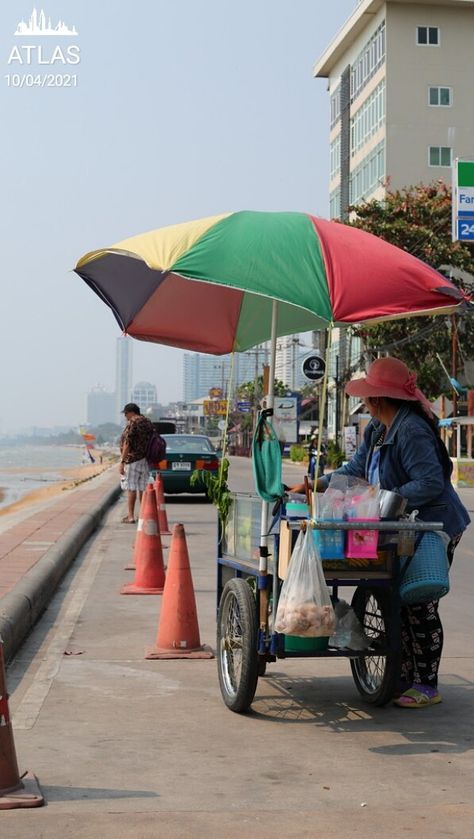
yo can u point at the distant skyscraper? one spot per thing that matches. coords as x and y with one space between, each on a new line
203 372
100 406
123 376
288 361
144 394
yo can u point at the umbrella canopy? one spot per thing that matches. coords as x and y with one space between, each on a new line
208 285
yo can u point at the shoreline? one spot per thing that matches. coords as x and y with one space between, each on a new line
70 478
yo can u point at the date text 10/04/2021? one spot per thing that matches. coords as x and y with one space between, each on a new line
41 80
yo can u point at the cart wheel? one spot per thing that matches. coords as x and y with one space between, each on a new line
262 666
237 660
375 676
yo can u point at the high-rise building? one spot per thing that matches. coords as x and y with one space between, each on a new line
400 96
100 406
123 376
203 372
289 358
144 395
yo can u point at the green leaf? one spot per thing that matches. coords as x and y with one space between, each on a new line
216 486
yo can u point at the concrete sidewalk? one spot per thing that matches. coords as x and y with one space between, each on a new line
127 748
39 546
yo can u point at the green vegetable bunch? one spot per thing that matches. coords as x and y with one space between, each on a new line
217 489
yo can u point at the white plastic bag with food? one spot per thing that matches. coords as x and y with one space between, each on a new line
304 606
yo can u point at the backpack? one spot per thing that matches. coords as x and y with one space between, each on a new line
156 449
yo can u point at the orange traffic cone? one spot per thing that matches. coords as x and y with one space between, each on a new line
14 791
148 552
160 503
178 630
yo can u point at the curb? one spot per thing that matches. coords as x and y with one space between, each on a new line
23 605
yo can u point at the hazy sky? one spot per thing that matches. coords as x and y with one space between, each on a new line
183 108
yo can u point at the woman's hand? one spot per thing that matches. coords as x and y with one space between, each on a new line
319 487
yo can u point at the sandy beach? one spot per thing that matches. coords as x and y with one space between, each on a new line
70 478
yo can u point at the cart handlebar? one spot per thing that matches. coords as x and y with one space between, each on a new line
392 526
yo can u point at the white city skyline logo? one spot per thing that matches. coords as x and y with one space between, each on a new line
38 25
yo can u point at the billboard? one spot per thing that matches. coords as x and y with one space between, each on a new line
214 407
463 201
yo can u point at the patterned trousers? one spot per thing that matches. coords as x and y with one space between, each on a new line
422 638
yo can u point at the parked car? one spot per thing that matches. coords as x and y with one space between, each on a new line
184 454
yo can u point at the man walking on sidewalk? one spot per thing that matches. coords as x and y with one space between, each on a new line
133 463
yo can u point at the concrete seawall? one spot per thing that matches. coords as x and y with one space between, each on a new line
21 607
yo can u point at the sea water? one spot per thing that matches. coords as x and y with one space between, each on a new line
25 468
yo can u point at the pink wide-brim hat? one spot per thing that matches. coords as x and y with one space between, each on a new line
389 377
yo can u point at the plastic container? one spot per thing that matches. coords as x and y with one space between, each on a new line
427 575
296 643
362 544
296 510
330 543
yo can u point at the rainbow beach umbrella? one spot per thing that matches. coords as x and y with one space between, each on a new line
209 285
229 282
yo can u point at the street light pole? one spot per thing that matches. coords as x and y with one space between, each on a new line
255 391
295 341
454 361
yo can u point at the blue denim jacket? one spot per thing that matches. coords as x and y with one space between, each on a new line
410 464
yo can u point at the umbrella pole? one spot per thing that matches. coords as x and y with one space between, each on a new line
263 563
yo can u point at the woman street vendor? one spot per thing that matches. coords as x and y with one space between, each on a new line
402 451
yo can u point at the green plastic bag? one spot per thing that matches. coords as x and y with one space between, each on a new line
266 460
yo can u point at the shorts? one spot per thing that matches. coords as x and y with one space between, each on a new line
136 475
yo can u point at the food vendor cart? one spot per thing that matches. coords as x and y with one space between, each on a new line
246 641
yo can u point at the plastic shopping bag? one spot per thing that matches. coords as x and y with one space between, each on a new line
349 632
304 606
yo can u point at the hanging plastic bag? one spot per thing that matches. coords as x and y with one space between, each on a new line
349 632
304 606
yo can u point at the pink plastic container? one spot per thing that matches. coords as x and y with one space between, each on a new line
362 544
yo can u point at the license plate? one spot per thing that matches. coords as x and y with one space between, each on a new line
182 466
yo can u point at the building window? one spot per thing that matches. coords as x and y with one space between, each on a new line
369 174
368 118
440 97
336 106
335 157
427 36
440 156
368 61
335 203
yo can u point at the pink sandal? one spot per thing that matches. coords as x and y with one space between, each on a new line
419 696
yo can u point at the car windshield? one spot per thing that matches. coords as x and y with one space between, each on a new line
187 443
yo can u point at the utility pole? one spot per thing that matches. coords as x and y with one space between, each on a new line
255 391
454 361
294 343
454 373
336 381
